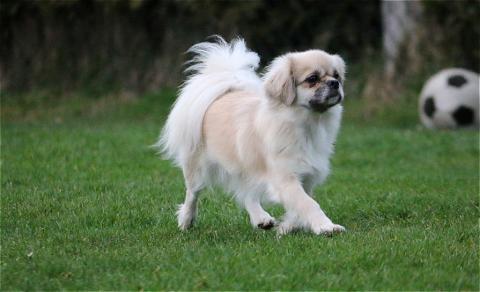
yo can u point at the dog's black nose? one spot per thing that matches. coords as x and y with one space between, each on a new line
333 84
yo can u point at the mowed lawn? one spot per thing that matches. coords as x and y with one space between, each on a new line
87 205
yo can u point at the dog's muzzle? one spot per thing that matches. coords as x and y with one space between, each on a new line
326 96
322 104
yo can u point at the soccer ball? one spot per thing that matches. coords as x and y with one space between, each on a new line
450 99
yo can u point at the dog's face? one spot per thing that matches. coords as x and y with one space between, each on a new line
312 80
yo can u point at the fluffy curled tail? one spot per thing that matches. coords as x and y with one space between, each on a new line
216 68
220 56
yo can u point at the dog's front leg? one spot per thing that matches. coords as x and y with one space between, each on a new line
301 209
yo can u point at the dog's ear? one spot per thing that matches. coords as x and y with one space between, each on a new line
278 80
340 65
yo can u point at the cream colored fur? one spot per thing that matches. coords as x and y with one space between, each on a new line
257 137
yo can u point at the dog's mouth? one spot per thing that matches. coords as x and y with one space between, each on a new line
322 105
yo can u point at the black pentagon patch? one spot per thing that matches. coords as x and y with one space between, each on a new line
429 106
463 116
456 80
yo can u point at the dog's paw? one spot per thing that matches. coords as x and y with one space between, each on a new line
266 222
328 229
284 227
185 217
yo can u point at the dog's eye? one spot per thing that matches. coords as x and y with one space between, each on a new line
335 75
312 79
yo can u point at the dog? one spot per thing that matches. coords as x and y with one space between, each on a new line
262 138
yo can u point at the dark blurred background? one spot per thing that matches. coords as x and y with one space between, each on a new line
139 45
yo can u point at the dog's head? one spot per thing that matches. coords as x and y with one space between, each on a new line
312 79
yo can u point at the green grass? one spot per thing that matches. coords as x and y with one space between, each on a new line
86 205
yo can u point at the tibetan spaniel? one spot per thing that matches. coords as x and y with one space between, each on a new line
263 138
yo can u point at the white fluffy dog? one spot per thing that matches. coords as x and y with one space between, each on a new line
263 138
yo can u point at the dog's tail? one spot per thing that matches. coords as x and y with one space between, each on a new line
216 68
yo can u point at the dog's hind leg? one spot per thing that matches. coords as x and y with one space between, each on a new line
187 212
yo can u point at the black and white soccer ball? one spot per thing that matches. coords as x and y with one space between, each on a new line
450 100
